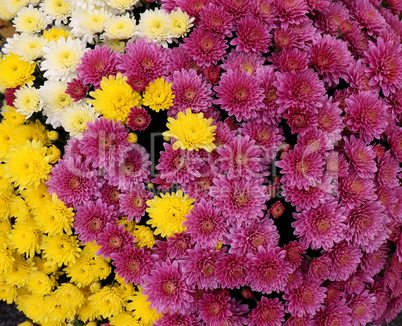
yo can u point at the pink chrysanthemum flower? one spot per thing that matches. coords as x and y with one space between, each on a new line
333 314
345 258
268 137
301 167
217 20
133 202
329 119
239 312
330 57
134 168
372 263
268 270
72 149
252 36
301 88
298 321
291 12
212 74
133 264
368 17
231 271
322 226
322 6
330 21
384 63
294 253
105 143
242 199
388 171
300 119
77 89
91 218
336 166
114 239
223 134
354 190
205 224
395 141
334 292
367 226
265 11
144 61
199 187
247 239
361 156
167 289
243 61
289 59
138 119
356 283
97 63
179 166
240 94
284 38
269 312
199 267
316 140
178 59
319 268
178 245
237 9
191 91
241 157
74 181
110 195
362 307
214 309
178 319
356 78
294 280
192 7
205 47
308 198
306 299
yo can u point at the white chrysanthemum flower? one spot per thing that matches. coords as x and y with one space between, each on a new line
86 23
57 10
55 101
76 116
5 12
153 25
179 23
120 27
27 100
61 58
13 6
122 5
87 4
27 46
30 20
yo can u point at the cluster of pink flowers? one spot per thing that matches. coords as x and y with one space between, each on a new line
312 87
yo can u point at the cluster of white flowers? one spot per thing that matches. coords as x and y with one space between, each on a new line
55 34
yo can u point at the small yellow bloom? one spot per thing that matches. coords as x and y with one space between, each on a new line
53 135
15 71
53 34
132 137
140 309
192 131
168 213
144 237
158 95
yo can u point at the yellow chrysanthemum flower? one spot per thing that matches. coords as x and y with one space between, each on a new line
5 200
81 272
124 319
58 310
33 306
53 34
107 301
6 259
31 131
61 249
168 213
8 293
158 95
25 237
6 133
114 98
54 153
132 137
144 236
36 197
68 292
19 209
15 71
27 165
19 272
53 217
101 268
125 289
139 306
45 266
179 23
12 117
128 225
87 311
5 229
192 131
39 283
